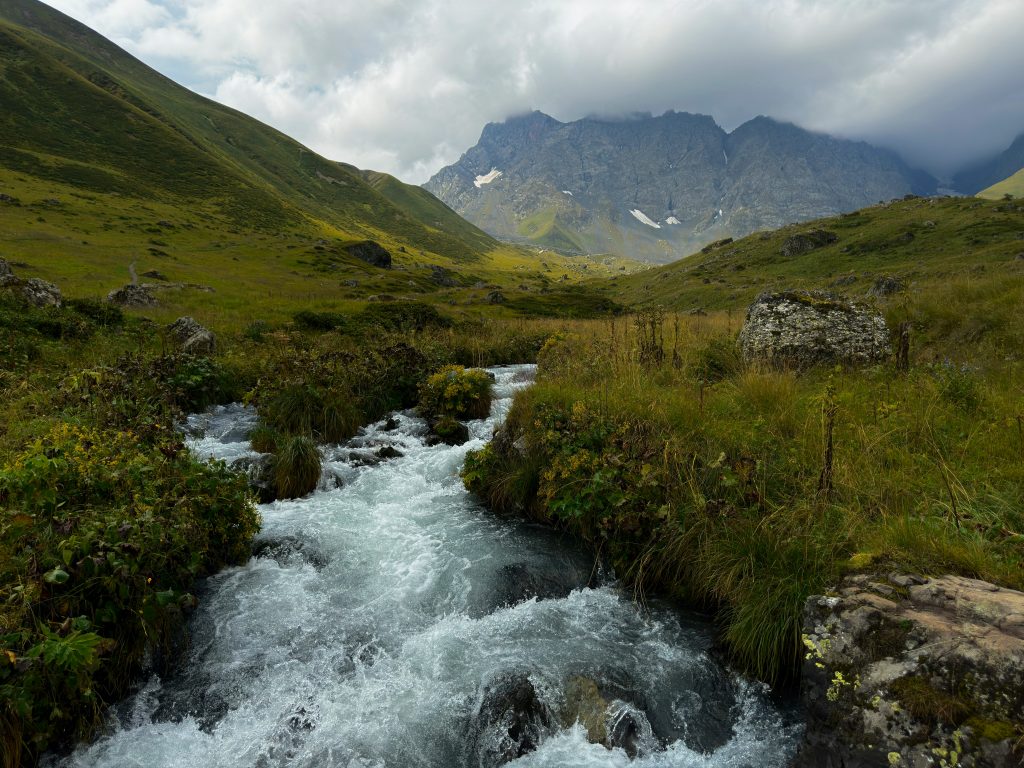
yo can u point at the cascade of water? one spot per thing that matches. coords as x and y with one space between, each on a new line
388 620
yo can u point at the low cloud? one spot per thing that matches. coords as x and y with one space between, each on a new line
405 86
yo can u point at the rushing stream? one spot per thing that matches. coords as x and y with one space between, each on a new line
388 620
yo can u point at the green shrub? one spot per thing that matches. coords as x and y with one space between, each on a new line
101 313
457 392
306 410
320 321
403 316
717 359
101 538
256 330
296 467
264 439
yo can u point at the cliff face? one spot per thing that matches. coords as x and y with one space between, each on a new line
657 188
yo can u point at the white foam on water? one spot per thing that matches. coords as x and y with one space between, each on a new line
368 646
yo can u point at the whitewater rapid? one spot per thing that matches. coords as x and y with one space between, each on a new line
380 611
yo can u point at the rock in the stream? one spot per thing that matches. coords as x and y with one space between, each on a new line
509 721
906 671
192 337
132 295
286 549
448 431
260 472
800 329
614 724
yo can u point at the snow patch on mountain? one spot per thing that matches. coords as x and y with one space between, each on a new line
643 218
487 178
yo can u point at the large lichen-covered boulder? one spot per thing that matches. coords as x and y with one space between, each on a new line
800 329
40 293
908 671
192 337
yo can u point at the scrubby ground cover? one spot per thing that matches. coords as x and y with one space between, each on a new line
746 489
106 520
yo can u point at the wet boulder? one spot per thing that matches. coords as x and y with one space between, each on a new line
372 253
805 242
448 431
132 295
510 720
614 723
259 470
900 669
289 549
801 329
192 337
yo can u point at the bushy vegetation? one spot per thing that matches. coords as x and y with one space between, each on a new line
456 393
711 481
106 520
296 467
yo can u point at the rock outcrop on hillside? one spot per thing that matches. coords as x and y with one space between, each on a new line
192 337
38 293
658 188
800 329
914 672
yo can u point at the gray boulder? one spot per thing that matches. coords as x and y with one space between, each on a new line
372 253
886 286
495 297
40 293
901 669
805 242
192 337
132 295
7 276
441 276
800 329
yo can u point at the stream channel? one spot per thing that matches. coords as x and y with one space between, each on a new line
389 620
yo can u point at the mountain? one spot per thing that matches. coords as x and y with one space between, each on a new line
79 110
656 188
973 180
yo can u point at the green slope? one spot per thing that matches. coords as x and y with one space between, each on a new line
1013 186
927 243
143 170
78 109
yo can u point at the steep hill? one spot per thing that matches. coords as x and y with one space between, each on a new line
656 188
105 162
973 180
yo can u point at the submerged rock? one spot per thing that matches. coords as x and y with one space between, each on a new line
448 431
799 329
905 671
287 549
509 722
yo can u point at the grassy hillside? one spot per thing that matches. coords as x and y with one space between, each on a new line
926 243
1014 186
109 163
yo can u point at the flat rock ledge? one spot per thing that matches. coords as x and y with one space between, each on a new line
801 329
907 671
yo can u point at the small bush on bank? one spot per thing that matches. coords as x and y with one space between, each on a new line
310 411
456 392
264 439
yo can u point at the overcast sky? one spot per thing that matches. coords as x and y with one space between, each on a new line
406 86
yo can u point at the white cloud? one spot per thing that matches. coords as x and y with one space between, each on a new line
406 85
